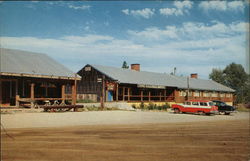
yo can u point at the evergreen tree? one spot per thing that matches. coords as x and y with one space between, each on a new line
124 65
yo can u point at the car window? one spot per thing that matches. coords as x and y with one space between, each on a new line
222 104
195 103
203 103
212 103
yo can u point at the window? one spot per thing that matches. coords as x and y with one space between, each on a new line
214 94
197 94
183 93
190 93
222 94
228 95
187 103
87 69
195 103
206 94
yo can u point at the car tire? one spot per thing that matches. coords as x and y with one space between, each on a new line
227 113
222 113
200 112
176 110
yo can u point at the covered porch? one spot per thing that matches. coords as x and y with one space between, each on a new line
140 93
32 92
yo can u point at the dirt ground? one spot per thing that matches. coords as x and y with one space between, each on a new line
220 140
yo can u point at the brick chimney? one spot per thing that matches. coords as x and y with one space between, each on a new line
194 75
135 67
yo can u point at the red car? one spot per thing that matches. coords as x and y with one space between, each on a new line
196 106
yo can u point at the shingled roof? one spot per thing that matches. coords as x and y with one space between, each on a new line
30 64
159 79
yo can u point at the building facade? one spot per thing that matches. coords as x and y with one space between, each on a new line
27 78
132 85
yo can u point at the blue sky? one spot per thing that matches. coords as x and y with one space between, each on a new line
193 36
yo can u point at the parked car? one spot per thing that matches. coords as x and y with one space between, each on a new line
196 106
224 108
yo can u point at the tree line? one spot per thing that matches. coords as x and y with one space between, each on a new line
235 77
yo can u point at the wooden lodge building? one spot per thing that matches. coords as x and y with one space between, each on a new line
27 77
133 85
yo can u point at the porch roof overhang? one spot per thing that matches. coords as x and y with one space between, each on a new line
39 76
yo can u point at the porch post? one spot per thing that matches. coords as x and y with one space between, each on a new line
103 98
149 95
160 96
63 93
32 94
123 93
165 94
1 92
117 92
141 95
16 95
74 92
128 94
17 100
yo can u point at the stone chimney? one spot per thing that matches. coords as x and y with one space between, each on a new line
194 75
135 67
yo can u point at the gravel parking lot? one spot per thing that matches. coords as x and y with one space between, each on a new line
33 120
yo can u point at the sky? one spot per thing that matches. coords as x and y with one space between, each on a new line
193 36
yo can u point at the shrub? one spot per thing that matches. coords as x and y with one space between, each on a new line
134 106
93 108
166 106
151 106
142 106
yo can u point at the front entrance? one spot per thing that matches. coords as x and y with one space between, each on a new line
8 93
110 96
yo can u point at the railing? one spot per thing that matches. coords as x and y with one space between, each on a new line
136 98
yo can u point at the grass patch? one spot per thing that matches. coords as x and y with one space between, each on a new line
242 108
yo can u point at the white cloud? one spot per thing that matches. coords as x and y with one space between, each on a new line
145 13
222 5
155 33
173 46
181 8
126 11
83 7
236 5
170 11
190 30
183 4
